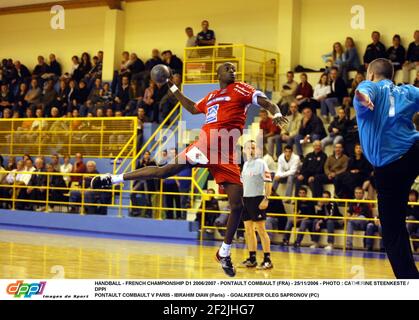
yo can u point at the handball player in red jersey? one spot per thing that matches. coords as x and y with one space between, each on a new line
225 111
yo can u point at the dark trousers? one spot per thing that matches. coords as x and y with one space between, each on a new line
170 200
393 185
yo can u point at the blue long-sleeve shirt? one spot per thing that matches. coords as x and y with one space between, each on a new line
387 132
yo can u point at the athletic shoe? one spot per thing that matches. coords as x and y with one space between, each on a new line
314 246
226 264
101 182
248 264
329 247
265 265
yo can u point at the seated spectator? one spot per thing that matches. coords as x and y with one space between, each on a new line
329 209
90 197
122 97
33 96
304 89
413 215
271 134
291 129
303 208
396 53
351 58
337 129
168 101
348 101
48 97
173 62
54 67
22 73
359 211
20 103
106 97
17 178
311 129
62 95
147 102
75 69
336 57
155 60
85 65
374 50
78 167
412 58
335 165
321 90
41 68
135 67
206 37
55 194
335 97
313 165
125 62
372 228
6 98
357 172
288 92
37 191
288 165
351 137
66 167
81 96
11 163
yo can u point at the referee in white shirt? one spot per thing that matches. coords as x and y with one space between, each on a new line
257 186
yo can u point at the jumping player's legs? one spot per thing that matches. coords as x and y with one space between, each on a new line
235 199
151 172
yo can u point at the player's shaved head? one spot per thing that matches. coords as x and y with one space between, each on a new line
380 69
226 74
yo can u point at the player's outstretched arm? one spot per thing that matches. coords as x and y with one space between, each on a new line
187 103
364 99
273 109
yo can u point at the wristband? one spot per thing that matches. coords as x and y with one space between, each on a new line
174 88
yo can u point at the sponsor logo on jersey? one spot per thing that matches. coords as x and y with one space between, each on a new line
212 113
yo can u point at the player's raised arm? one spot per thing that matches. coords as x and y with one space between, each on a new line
364 99
273 109
187 103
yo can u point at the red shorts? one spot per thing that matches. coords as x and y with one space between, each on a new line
222 172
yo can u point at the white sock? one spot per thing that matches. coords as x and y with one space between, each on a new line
225 250
117 178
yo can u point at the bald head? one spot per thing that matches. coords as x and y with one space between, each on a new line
226 73
380 69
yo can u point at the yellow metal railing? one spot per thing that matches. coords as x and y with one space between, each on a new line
90 201
100 137
255 66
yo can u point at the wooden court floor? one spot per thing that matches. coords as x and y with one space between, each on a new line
41 255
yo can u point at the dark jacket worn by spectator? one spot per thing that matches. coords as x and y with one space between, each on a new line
358 209
338 90
55 68
397 56
313 126
413 52
374 51
313 164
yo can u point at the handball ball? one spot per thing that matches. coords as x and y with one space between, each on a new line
160 73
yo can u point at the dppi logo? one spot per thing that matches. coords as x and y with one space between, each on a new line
27 290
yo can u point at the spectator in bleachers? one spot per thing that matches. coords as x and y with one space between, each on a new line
11 163
122 97
173 62
271 134
6 98
55 181
85 65
288 166
7 113
335 97
351 57
413 215
66 167
303 208
125 62
62 95
348 101
396 53
25 126
55 162
49 96
54 66
142 119
374 50
311 129
41 68
147 102
337 129
369 187
82 94
304 89
211 203
321 90
171 186
22 73
17 178
36 192
351 137
106 97
75 69
191 38
313 166
357 172
288 92
136 66
20 103
78 167
206 37
416 82
96 70
275 206
33 96
168 101
291 129
372 228
155 60
357 210
336 58
335 165
412 58
329 209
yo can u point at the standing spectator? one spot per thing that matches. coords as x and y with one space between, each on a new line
360 211
357 172
304 207
337 129
288 92
329 209
351 57
191 40
311 129
288 165
412 58
155 60
271 134
374 50
66 167
313 166
336 96
335 165
54 66
206 37
78 167
290 130
413 215
173 62
396 53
